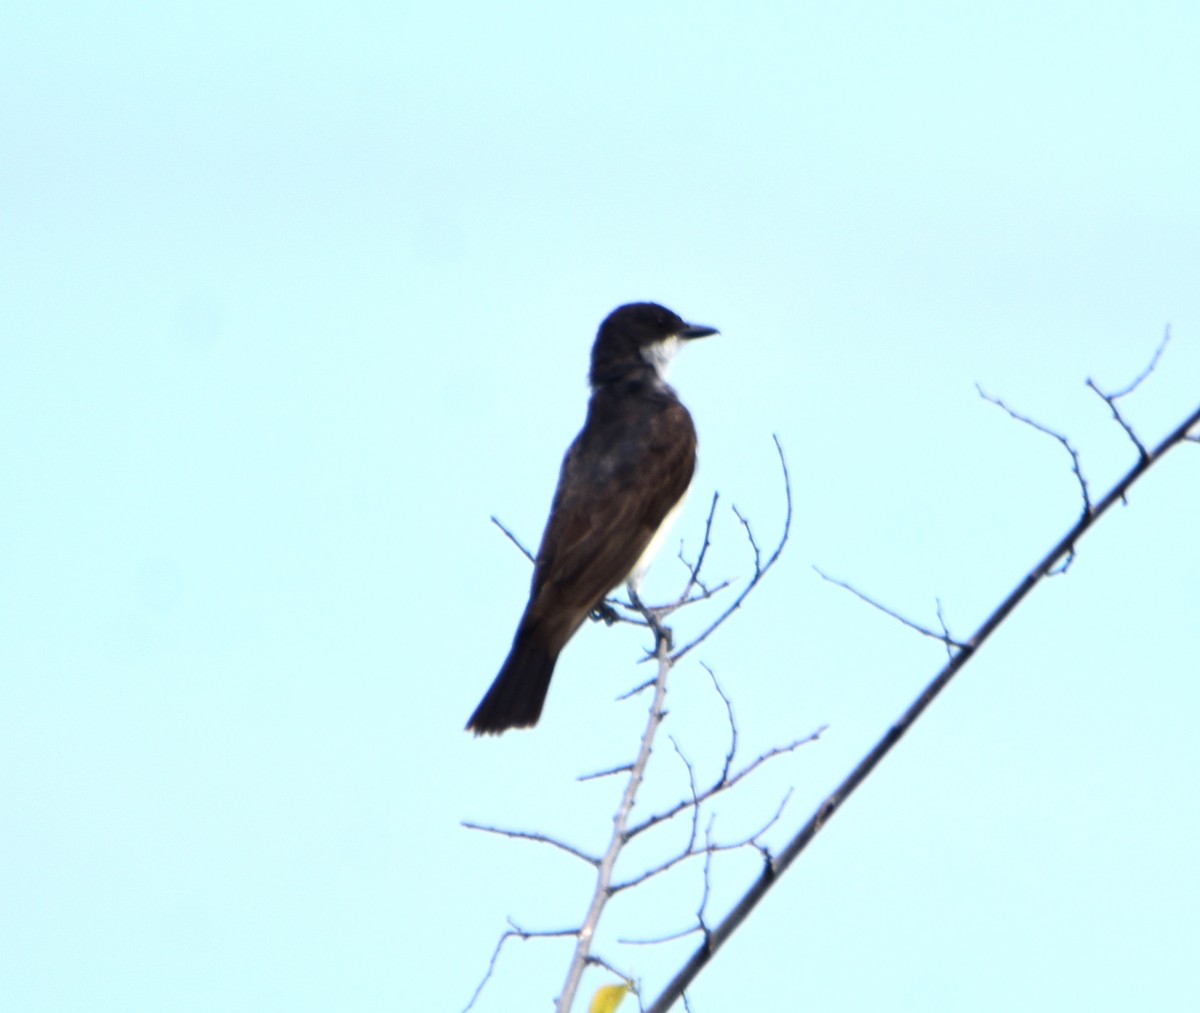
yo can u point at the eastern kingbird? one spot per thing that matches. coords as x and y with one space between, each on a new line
622 482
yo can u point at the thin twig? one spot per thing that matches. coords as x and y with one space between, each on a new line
632 984
1111 399
639 688
694 571
1150 368
1075 463
750 537
709 851
723 784
733 735
658 940
760 569
691 772
514 932
624 768
513 538
525 835
703 595
751 840
944 637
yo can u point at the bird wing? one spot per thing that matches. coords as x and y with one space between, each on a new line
608 506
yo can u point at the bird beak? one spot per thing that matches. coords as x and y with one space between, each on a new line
697 331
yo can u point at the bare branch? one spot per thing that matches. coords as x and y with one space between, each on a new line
640 687
1075 464
770 754
1111 399
709 849
773 820
657 940
733 736
1141 377
701 922
750 537
624 768
722 784
604 871
694 571
514 539
774 868
691 772
944 637
750 840
595 960
514 932
760 569
525 835
703 595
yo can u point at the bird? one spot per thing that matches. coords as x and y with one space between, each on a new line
623 481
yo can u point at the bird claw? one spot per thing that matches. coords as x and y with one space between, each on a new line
605 613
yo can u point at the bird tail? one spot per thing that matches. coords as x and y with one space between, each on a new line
515 699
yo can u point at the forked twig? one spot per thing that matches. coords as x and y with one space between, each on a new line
944 636
1111 399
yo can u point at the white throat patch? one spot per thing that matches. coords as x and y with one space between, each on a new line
660 355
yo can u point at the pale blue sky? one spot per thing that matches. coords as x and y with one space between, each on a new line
293 298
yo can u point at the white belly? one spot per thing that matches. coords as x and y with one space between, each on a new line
634 579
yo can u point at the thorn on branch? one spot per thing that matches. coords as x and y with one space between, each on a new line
656 940
639 688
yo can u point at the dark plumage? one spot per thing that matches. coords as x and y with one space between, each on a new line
621 478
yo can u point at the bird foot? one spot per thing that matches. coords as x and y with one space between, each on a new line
605 613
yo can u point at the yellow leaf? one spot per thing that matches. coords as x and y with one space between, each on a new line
608 998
